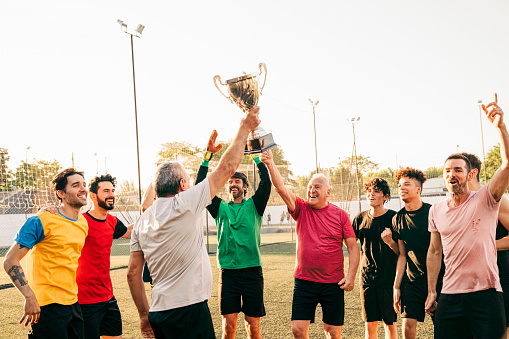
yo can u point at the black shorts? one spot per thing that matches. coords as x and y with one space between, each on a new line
193 321
378 304
477 315
102 319
241 290
505 288
413 299
59 321
307 294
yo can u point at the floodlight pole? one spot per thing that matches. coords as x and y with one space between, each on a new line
314 104
353 121
138 31
482 140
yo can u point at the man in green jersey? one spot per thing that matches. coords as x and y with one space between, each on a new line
238 224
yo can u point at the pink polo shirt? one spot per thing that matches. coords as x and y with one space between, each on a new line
468 241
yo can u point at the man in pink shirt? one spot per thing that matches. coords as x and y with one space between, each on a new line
464 225
319 276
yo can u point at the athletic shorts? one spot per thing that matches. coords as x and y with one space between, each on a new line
308 294
413 299
378 304
241 290
505 288
193 321
102 319
477 315
59 321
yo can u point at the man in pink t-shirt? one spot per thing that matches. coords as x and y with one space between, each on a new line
319 276
464 225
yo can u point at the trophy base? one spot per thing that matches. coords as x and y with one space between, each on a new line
260 144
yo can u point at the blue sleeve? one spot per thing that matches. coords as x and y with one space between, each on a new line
30 233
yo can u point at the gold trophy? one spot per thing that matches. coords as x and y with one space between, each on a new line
244 93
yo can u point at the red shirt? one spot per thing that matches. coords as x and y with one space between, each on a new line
93 274
320 235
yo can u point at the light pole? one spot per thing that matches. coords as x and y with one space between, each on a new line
137 33
105 167
26 182
353 121
314 104
482 140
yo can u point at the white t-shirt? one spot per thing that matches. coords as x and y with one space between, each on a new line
468 240
170 235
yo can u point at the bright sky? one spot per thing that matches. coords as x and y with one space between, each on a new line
412 70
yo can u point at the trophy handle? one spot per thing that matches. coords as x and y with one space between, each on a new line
265 73
218 78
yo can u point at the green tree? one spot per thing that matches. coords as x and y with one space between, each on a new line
182 151
434 172
492 163
37 175
5 172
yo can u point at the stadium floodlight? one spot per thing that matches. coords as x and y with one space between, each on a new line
140 29
314 128
137 34
479 103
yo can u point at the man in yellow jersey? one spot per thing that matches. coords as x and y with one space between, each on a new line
55 242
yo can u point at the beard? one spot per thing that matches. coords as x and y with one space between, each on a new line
236 195
103 204
457 189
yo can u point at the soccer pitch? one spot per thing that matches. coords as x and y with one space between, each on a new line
278 264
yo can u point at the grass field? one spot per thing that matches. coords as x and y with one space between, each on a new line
278 255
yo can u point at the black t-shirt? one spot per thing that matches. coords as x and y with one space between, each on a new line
412 228
378 260
502 256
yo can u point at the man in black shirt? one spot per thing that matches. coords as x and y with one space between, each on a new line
410 227
379 254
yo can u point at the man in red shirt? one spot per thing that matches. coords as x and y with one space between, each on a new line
95 292
319 276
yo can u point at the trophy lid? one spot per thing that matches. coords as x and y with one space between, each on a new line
241 78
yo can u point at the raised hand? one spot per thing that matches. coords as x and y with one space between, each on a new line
251 119
211 145
494 113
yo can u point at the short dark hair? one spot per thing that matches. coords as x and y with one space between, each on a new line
240 175
93 186
59 181
379 184
475 162
460 156
412 173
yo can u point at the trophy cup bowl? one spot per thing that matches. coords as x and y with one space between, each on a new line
244 92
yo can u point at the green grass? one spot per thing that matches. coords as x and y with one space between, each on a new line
278 264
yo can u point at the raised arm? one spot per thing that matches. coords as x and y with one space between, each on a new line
148 197
500 180
233 155
212 149
433 263
262 194
14 270
277 180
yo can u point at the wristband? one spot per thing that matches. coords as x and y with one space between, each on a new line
208 155
256 159
205 163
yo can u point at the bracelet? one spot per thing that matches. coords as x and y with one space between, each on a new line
208 155
205 163
256 159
